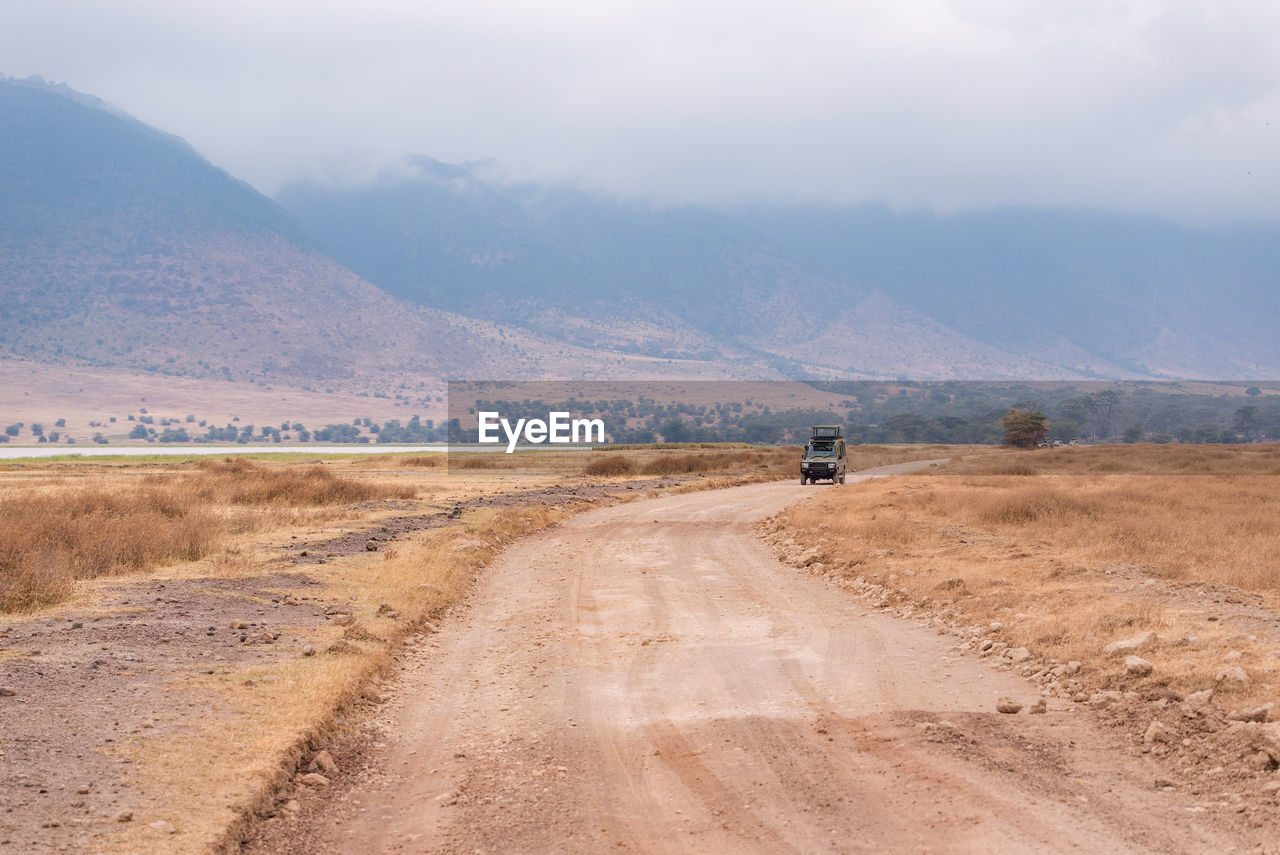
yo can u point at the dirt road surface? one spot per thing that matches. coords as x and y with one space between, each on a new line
647 678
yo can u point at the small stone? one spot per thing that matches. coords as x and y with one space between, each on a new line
1233 676
1261 713
237 624
1136 666
1165 783
6 692
291 601
1260 761
1040 707
1018 655
1233 656
323 762
163 827
344 620
124 816
371 546
309 651
314 779
1156 732
1272 787
1073 667
1008 706
1130 645
291 806
1199 698
82 790
1102 700
995 626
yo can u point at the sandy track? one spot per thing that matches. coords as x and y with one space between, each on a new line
648 678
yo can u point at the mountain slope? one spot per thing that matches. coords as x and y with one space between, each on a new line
121 246
824 291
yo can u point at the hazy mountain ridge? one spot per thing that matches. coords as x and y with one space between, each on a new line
121 246
1002 293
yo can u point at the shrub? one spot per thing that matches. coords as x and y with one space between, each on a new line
610 465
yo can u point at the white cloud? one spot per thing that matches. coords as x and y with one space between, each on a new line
1133 104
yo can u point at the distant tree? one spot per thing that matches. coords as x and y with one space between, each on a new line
1107 400
13 430
1133 433
1247 421
100 439
139 432
1253 390
37 429
674 430
1024 429
60 423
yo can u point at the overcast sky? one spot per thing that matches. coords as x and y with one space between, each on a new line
1129 104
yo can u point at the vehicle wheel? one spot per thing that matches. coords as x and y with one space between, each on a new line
842 479
803 480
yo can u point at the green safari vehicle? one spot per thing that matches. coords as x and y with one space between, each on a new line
824 455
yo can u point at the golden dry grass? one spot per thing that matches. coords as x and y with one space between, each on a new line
49 540
1071 561
610 465
59 531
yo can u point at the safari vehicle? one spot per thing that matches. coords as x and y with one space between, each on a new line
824 456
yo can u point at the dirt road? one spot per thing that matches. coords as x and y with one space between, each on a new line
648 678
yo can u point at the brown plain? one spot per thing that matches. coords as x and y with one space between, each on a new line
1073 548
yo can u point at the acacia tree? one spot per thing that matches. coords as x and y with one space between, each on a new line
1024 429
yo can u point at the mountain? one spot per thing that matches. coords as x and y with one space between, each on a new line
825 291
121 246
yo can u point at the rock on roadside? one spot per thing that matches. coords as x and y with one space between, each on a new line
1233 676
1008 706
1136 666
323 762
1130 645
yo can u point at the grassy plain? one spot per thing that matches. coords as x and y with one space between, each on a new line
1070 549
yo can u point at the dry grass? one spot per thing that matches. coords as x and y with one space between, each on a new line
1069 562
416 461
610 466
241 482
479 461
1138 459
47 541
58 532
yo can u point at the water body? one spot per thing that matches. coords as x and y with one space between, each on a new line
8 452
